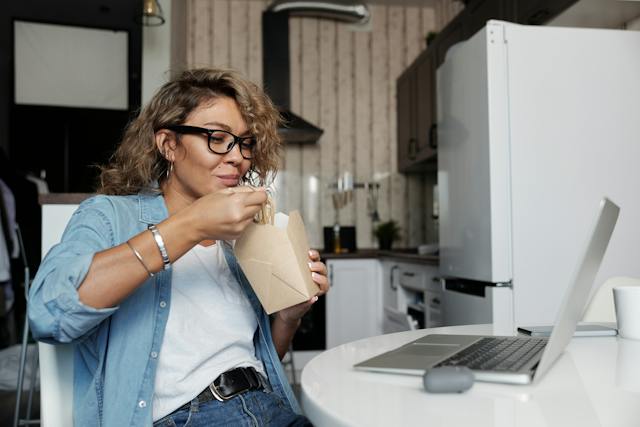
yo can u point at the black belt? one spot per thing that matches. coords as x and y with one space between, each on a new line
230 384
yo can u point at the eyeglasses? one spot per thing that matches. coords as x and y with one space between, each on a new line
220 141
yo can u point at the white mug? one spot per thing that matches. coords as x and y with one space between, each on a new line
627 303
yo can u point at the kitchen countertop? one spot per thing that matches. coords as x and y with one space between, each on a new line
405 254
410 255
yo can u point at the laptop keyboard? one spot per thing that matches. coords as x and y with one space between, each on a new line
497 354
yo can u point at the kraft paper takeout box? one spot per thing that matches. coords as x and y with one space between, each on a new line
276 262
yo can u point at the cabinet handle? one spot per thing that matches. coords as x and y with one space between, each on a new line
433 136
412 148
330 275
391 281
408 273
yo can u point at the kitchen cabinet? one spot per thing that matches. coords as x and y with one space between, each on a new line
389 285
478 12
354 302
416 86
412 296
538 12
416 114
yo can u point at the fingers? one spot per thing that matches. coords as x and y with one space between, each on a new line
257 197
246 202
249 196
318 272
314 255
318 267
242 189
319 276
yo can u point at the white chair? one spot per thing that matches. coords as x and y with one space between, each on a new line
56 361
601 307
56 385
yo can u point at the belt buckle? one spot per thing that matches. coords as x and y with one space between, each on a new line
218 395
216 392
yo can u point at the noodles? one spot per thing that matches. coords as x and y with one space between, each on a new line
267 212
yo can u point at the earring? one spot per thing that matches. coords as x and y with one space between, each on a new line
169 166
169 169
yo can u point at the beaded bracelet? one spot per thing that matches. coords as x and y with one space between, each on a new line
163 250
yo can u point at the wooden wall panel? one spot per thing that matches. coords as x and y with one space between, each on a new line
253 27
310 110
201 33
292 169
239 36
189 39
219 27
329 143
362 133
428 24
380 109
345 112
344 81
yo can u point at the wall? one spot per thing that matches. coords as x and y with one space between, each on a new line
343 80
156 54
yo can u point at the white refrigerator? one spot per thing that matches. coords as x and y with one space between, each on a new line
535 125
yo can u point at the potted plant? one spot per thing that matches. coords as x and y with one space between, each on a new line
386 233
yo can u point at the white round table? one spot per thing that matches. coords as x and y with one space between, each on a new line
596 382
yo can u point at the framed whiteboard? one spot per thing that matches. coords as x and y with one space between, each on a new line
68 66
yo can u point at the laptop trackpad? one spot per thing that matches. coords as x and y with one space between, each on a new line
411 357
437 350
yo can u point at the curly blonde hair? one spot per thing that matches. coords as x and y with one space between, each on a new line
137 164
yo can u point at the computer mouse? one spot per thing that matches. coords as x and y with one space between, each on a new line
448 379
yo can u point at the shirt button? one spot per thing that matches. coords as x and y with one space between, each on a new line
163 304
154 354
142 404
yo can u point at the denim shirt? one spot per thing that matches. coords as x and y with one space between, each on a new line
116 349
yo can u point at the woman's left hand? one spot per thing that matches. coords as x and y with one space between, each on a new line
293 314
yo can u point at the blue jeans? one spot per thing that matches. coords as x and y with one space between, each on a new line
254 408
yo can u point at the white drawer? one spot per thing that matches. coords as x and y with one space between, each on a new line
418 277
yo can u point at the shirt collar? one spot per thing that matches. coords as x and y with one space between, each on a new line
152 207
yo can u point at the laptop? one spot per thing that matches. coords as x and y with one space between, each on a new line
511 360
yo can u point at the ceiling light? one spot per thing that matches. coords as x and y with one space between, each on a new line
151 13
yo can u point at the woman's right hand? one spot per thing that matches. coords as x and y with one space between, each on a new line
225 214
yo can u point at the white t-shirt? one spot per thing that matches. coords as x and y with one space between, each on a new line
209 331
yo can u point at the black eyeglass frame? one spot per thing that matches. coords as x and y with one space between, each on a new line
239 140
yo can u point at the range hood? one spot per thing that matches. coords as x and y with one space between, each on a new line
275 57
345 11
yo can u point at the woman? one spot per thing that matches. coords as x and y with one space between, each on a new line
144 282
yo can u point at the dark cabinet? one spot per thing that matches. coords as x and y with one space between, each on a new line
478 12
416 114
405 119
416 87
537 12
